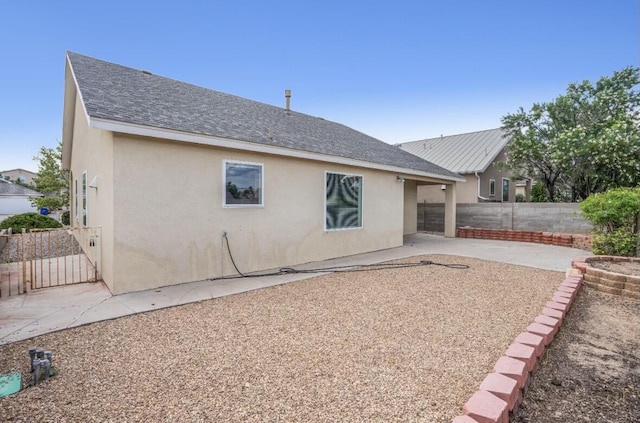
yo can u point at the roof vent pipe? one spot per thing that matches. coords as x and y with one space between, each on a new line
287 97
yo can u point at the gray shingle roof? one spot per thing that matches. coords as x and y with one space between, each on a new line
118 93
463 153
8 188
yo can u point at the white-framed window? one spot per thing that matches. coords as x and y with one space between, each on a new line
505 190
343 201
492 187
75 197
243 184
84 198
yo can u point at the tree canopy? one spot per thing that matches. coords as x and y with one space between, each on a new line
585 141
52 180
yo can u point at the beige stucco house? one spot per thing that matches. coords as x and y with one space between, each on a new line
14 199
473 155
167 169
22 175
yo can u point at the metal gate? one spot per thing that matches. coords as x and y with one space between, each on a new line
43 258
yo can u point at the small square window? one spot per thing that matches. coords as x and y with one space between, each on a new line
243 184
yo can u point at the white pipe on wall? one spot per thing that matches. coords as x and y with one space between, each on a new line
479 196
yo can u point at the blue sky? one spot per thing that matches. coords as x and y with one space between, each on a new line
396 70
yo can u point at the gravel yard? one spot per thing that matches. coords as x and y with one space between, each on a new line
40 245
409 345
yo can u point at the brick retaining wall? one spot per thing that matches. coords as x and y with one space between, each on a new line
607 281
565 240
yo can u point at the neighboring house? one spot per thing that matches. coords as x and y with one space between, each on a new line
14 199
167 169
475 156
22 175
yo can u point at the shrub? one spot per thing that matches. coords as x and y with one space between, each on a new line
29 221
538 193
614 215
617 243
520 198
66 218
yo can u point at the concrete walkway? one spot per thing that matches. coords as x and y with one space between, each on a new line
48 310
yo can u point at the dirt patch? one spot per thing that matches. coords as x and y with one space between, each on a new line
631 268
591 372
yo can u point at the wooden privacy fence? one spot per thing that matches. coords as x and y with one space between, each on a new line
43 258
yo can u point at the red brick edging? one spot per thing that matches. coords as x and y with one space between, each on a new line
501 391
582 242
608 281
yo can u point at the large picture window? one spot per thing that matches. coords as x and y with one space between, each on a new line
243 184
343 201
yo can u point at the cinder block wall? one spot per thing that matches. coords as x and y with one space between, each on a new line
546 217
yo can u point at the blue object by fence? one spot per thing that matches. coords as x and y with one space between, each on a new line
44 211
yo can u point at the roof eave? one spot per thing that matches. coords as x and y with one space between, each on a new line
154 132
71 92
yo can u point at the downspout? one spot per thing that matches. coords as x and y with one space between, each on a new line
479 196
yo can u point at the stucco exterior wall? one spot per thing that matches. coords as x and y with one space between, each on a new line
466 192
93 152
496 173
168 218
15 174
410 219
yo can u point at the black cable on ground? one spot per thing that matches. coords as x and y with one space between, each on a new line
230 256
335 269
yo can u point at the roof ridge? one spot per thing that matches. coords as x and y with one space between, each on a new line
472 151
17 168
452 135
129 99
199 87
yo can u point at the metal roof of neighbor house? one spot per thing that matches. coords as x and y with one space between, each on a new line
120 94
463 153
8 188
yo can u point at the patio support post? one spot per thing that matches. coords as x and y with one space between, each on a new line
24 260
450 211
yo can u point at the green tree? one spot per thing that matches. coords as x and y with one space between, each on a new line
586 141
52 180
24 184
